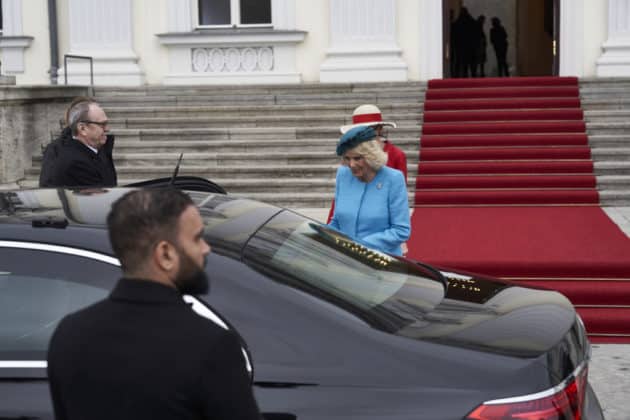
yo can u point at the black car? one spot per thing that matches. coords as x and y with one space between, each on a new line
334 330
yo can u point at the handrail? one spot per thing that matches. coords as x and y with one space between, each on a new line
80 57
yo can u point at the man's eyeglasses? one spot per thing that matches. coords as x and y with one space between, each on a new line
101 124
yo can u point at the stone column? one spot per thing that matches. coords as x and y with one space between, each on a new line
103 30
615 60
179 16
12 41
363 45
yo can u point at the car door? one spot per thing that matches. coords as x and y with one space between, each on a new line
39 285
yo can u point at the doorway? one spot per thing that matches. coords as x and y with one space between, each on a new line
531 26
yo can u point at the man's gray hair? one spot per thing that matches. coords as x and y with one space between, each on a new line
78 112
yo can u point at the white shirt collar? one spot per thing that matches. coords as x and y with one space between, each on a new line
95 150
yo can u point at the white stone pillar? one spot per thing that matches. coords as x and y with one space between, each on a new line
13 42
102 30
572 38
431 40
363 46
615 60
179 16
283 14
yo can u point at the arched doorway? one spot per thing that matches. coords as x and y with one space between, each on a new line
532 28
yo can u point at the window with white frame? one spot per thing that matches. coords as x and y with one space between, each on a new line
234 12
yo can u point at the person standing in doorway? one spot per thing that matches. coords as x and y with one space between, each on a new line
499 40
482 45
467 40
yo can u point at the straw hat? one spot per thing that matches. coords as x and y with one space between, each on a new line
366 115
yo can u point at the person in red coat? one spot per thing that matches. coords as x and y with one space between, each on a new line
370 115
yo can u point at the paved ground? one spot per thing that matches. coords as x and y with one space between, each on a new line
609 375
609 371
610 367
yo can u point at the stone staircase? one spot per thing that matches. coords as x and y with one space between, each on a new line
276 143
272 143
606 105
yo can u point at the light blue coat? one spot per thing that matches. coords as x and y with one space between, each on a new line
375 214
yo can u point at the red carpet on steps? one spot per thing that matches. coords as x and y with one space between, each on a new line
505 187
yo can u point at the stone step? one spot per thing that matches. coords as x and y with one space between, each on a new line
297 199
251 171
613 182
607 115
597 141
606 103
246 133
210 161
612 168
246 111
276 89
611 153
614 198
597 128
410 119
601 87
352 99
409 144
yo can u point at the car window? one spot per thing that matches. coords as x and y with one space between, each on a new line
385 291
38 287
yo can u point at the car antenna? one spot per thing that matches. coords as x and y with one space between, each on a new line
176 171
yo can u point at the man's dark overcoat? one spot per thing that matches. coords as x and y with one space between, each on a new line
143 353
69 163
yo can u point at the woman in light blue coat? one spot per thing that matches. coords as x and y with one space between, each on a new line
371 204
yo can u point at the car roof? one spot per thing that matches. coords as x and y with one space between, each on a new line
230 220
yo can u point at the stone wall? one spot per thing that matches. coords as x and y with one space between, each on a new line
29 116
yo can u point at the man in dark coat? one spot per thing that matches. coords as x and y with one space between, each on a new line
466 42
143 353
82 155
499 40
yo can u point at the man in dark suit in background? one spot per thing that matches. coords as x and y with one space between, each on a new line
82 155
499 40
143 353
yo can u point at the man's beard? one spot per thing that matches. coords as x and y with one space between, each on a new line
191 279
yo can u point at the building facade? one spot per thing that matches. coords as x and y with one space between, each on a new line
137 42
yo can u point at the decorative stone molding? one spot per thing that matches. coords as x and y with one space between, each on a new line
363 49
217 60
105 34
221 56
13 53
615 60
13 42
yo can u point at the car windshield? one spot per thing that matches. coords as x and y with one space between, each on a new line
387 292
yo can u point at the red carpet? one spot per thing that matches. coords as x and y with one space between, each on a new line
506 187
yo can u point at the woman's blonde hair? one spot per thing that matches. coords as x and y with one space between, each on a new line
373 153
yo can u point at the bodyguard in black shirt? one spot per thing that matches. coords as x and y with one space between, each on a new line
143 353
